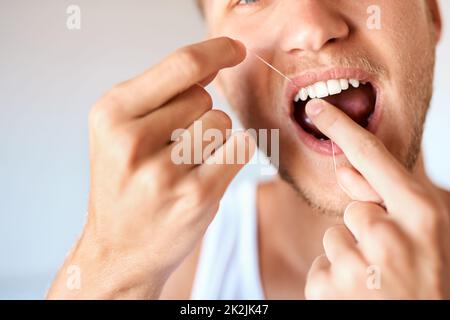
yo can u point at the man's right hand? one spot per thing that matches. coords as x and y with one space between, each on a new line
147 213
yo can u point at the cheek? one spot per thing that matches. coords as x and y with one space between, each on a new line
404 48
249 88
245 77
258 31
236 85
404 39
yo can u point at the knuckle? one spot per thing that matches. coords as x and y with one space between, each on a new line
187 62
114 97
102 112
158 171
100 116
203 97
157 177
381 228
387 241
125 146
128 141
382 255
97 116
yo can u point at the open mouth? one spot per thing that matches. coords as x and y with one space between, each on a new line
356 98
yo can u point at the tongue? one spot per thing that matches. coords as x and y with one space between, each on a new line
358 104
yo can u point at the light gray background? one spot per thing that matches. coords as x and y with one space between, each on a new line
49 78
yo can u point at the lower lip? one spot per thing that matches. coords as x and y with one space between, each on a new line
323 147
326 147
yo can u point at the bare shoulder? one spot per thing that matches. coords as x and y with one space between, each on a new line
179 285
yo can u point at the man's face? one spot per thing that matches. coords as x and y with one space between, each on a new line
315 41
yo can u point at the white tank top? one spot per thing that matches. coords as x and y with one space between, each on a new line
228 266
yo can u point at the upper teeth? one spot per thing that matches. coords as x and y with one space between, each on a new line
324 89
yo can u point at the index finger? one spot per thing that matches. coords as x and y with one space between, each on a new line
365 152
177 73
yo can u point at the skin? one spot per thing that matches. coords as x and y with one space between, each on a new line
146 213
380 209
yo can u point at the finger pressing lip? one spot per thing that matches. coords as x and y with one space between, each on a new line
367 154
323 115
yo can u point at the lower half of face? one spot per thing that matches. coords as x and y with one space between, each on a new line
386 89
306 157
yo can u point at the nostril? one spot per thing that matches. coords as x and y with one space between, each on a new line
331 41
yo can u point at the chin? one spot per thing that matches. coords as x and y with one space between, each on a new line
317 186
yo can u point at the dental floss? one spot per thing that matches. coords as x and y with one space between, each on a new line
333 147
273 68
293 83
334 158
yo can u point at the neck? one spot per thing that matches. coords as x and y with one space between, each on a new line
288 222
421 176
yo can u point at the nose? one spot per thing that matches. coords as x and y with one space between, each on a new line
312 24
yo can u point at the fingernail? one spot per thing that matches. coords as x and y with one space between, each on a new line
314 107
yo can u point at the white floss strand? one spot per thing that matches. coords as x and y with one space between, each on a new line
273 68
334 158
333 147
